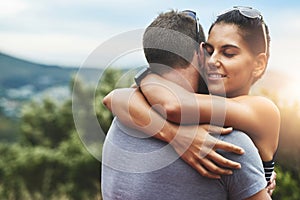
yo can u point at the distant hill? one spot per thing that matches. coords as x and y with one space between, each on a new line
21 80
16 73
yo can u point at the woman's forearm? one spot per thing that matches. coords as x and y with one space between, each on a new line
179 104
130 106
256 116
182 106
186 107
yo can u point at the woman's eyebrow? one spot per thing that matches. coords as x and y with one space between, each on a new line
223 47
208 44
230 46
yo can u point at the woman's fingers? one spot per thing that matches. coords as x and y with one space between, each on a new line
228 147
219 159
212 167
217 130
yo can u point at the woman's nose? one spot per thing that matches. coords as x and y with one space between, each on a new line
213 61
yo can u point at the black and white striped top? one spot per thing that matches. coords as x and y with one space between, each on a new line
269 168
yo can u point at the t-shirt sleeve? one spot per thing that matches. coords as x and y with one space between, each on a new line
250 179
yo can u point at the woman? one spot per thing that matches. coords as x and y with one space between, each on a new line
238 48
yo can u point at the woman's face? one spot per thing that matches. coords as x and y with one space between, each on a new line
229 68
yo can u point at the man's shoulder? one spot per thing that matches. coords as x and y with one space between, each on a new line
238 138
250 177
241 139
130 138
118 126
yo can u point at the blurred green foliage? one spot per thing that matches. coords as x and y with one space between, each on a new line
287 185
48 160
9 128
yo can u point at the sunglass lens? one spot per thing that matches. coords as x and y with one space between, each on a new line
190 13
250 13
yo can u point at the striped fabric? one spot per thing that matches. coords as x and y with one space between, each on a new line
269 168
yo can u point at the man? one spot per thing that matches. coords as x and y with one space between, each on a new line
139 167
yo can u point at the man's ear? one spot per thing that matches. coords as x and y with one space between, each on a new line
261 62
201 55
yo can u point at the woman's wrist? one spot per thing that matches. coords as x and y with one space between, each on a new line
168 132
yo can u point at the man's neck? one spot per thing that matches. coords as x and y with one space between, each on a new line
186 77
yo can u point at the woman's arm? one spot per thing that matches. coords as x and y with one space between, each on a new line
257 116
130 106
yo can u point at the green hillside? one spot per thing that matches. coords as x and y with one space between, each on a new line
15 73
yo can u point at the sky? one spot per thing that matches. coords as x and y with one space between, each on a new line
64 32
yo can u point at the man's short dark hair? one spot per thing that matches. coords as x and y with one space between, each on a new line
164 35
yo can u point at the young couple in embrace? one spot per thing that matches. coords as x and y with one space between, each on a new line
190 129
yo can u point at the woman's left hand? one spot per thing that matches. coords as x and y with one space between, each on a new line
272 184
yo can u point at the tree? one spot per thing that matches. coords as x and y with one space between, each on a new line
287 186
50 160
46 123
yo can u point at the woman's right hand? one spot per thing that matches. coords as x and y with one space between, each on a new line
197 147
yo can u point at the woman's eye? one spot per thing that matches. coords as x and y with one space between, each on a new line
209 50
229 54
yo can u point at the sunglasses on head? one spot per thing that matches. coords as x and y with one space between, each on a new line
194 16
251 13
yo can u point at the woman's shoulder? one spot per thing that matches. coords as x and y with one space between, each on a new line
259 103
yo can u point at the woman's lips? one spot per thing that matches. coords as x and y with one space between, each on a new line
215 76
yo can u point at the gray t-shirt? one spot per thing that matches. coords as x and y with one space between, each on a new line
136 167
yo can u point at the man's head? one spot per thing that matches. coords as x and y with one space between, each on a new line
172 31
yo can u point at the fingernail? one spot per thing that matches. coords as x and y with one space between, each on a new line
229 128
242 150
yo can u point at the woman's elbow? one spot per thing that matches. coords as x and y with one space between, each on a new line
107 101
173 111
